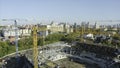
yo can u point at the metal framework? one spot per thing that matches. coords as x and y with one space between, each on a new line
35 49
16 38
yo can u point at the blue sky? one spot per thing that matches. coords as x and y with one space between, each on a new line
60 10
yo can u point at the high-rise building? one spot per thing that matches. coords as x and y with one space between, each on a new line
96 26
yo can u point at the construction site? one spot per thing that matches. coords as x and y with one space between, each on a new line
62 55
59 33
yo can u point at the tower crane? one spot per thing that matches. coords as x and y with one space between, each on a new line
16 37
35 48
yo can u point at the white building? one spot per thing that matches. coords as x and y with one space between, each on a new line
55 28
96 26
62 27
10 31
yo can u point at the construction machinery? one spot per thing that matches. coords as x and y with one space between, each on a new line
35 48
16 37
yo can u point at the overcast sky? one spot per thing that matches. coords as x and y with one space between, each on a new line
60 10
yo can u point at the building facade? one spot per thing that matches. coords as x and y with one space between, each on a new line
55 28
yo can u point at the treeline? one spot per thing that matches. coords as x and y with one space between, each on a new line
5 48
27 42
71 37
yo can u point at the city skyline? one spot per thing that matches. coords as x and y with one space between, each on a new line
60 10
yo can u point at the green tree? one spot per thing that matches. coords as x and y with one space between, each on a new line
25 43
3 48
41 41
54 37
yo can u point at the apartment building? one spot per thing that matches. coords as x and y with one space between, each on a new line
10 31
55 28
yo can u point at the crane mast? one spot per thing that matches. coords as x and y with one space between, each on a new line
35 49
16 38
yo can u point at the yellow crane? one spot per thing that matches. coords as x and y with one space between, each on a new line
35 48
